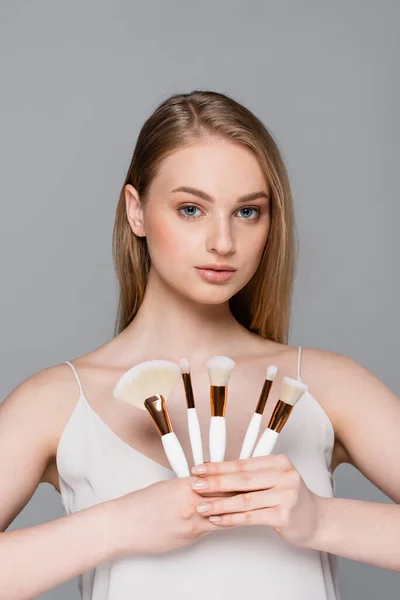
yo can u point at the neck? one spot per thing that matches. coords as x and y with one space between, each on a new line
171 326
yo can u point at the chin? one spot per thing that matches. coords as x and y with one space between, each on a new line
204 292
212 294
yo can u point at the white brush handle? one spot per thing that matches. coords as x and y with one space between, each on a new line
195 436
266 443
175 454
217 439
251 436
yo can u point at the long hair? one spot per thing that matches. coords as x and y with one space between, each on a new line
263 305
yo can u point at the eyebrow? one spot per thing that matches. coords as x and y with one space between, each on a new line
204 196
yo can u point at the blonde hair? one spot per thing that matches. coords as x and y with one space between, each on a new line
264 304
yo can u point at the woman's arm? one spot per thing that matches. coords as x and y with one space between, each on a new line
365 531
364 412
36 559
268 490
366 418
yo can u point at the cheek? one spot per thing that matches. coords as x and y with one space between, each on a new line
166 240
253 247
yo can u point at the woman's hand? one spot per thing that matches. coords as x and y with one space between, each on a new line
157 518
268 491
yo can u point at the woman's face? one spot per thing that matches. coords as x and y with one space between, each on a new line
208 223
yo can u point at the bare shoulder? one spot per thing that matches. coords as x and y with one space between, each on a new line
47 389
327 375
349 393
42 401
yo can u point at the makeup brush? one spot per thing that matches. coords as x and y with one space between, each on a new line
291 392
193 421
255 423
219 371
147 386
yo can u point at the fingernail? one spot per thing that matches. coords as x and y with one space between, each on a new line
214 518
199 484
203 507
197 469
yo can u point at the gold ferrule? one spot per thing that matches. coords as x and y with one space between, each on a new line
280 415
187 382
158 412
262 401
218 394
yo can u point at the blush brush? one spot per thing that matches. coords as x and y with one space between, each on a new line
147 386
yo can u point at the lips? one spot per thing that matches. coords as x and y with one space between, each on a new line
214 274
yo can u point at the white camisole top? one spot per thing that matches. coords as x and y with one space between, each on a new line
96 465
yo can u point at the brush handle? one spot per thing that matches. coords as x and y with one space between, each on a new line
266 443
195 436
251 436
217 439
175 454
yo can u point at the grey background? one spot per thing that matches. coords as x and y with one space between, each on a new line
78 79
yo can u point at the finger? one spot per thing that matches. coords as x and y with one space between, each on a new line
240 502
237 482
272 517
216 494
277 461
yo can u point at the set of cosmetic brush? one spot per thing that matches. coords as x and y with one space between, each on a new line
149 384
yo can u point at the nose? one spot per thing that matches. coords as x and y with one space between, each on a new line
220 237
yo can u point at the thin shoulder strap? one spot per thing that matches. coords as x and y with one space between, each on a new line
76 376
298 365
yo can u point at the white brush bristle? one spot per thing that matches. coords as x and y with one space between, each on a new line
184 364
292 390
147 379
271 372
220 369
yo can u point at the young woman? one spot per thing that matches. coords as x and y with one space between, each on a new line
206 190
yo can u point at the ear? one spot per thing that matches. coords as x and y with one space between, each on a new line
134 211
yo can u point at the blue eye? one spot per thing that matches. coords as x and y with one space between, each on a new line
190 207
248 208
